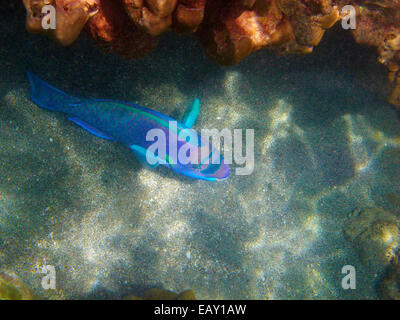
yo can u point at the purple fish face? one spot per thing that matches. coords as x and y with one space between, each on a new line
214 172
205 163
206 171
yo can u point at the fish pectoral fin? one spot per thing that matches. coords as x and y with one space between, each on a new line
146 157
90 128
191 113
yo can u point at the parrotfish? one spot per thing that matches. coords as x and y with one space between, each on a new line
129 124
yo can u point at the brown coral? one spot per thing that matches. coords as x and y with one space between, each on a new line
113 28
188 15
71 17
230 33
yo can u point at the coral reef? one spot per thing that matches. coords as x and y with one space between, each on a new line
71 17
375 235
228 30
112 28
230 33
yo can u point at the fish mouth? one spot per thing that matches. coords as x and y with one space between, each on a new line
218 171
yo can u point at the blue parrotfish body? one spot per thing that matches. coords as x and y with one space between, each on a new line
129 124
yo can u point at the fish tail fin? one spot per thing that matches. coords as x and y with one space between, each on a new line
48 97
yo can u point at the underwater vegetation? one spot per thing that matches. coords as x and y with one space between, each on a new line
228 30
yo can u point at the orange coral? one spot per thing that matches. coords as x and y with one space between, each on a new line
72 16
229 33
188 15
154 16
378 25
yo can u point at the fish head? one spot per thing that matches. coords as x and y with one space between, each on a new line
202 162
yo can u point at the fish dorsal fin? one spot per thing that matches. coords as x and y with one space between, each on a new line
141 152
90 128
191 113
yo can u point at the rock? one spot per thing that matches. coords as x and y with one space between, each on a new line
71 17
